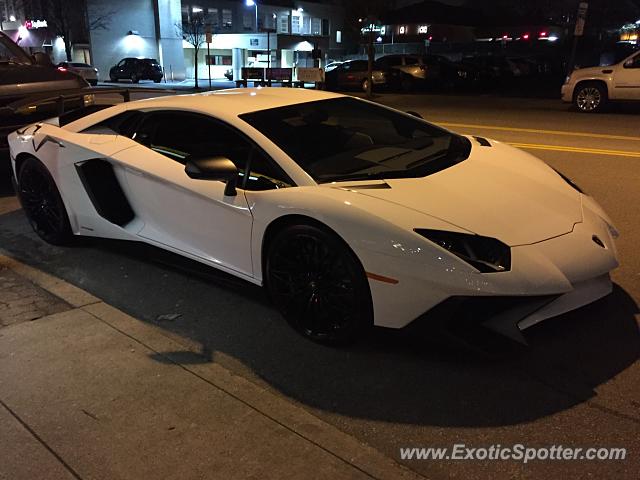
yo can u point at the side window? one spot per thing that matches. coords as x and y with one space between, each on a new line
180 136
121 63
360 67
264 174
394 61
633 62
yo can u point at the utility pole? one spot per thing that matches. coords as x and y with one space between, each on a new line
209 40
578 32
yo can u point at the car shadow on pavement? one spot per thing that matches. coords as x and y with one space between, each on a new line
420 378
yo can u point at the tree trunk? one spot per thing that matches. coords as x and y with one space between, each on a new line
371 56
195 66
67 47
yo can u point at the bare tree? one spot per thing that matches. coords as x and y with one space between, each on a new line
68 19
193 31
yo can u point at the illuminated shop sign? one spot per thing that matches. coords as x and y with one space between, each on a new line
35 24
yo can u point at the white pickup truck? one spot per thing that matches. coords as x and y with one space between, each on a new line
589 89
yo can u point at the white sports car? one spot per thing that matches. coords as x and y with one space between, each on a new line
352 214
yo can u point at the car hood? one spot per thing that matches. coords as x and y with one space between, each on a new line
589 71
498 192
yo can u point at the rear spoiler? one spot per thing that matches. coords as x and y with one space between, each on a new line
66 102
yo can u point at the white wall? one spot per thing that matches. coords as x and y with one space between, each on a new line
112 44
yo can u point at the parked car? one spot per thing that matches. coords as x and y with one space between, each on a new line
412 68
86 71
352 74
332 65
136 69
358 215
22 76
590 89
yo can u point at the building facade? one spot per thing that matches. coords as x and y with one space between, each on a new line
262 34
137 28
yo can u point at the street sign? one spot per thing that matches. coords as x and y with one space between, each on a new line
581 18
209 35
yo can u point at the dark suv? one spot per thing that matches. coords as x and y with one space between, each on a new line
136 69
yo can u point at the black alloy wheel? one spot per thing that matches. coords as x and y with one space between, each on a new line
318 285
42 203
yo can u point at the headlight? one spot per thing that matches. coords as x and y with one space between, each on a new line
487 254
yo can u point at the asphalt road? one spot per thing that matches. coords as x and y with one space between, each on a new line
576 384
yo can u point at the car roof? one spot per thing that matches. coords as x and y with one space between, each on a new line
226 105
236 101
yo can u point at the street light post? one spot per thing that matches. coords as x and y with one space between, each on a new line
254 4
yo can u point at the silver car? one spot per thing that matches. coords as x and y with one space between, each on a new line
86 71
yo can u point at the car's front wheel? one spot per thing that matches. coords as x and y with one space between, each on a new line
43 204
590 97
318 284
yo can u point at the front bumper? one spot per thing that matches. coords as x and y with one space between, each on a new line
547 278
566 93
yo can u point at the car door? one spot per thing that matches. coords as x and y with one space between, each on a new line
626 79
119 70
184 214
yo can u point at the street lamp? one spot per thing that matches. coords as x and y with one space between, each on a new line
253 3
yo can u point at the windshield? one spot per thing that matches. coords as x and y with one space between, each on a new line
349 139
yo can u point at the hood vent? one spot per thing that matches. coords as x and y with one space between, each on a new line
482 141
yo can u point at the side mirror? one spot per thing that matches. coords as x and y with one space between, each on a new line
215 168
40 58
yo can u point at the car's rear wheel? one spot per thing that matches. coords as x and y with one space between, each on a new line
590 97
43 204
318 284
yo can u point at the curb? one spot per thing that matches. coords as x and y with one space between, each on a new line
297 420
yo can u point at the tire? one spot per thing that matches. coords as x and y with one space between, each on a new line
157 80
318 284
42 203
113 79
364 85
590 97
134 78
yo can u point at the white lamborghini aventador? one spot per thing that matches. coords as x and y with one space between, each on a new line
351 214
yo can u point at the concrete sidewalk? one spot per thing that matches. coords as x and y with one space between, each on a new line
90 392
